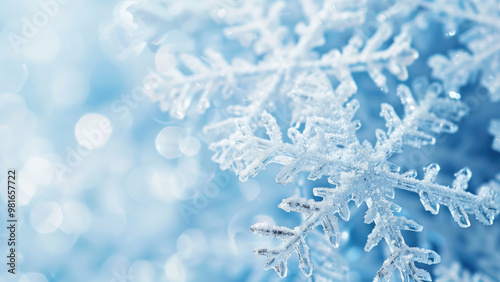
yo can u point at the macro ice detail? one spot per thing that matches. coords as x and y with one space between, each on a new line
456 273
282 63
362 173
299 74
480 57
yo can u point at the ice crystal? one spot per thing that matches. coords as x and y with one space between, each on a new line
481 54
297 73
362 173
457 273
283 62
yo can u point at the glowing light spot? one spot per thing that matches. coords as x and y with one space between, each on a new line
345 235
190 146
184 246
92 131
167 142
175 269
454 95
142 271
39 170
46 217
26 191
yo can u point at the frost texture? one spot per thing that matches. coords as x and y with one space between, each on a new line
457 273
283 61
362 173
480 59
296 82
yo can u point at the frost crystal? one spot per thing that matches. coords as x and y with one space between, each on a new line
298 72
283 62
481 39
361 173
457 273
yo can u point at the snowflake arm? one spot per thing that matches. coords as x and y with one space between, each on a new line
484 12
211 74
482 41
380 211
363 174
336 140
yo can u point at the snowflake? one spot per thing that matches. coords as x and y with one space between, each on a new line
293 71
361 173
481 40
